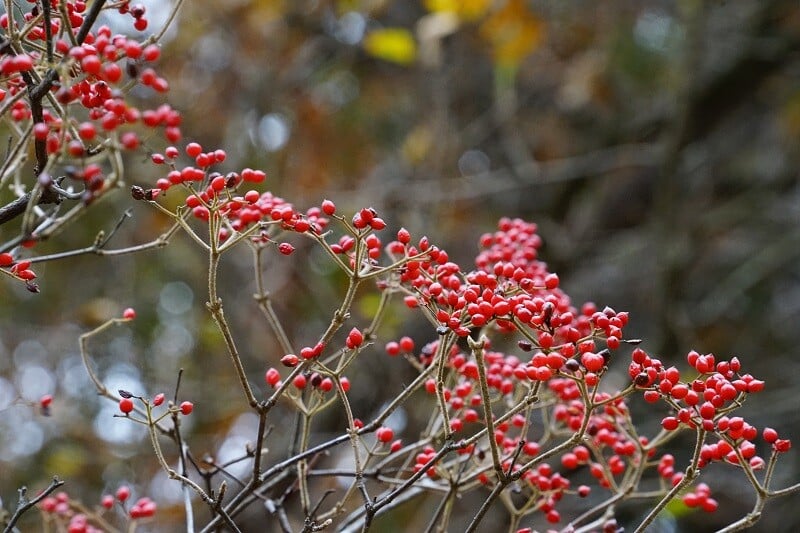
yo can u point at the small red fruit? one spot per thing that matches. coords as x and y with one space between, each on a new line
384 434
193 150
290 360
354 339
328 207
107 501
186 408
126 405
272 377
123 493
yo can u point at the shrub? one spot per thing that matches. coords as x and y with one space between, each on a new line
528 402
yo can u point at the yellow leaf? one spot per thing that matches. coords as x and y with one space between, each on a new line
391 44
465 9
513 32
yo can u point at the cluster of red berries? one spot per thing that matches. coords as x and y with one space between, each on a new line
701 497
214 194
89 72
704 402
512 291
74 517
126 404
137 11
19 269
317 381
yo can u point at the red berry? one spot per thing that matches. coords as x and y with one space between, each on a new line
129 313
707 410
308 353
186 408
159 399
651 396
91 64
407 344
272 377
285 248
384 434
355 338
22 62
126 405
300 381
107 501
770 435
289 360
130 140
670 423
193 149
45 401
782 445
326 385
328 207
40 131
592 361
123 493
151 53
133 49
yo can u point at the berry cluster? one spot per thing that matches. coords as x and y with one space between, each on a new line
65 514
212 196
512 293
515 379
20 270
64 89
126 406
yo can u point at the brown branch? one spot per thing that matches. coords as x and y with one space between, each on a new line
25 504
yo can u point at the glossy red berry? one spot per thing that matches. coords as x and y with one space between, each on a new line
272 377
407 344
300 381
770 435
158 399
384 434
126 405
354 339
670 423
290 360
328 207
186 408
123 493
151 53
193 149
129 313
107 501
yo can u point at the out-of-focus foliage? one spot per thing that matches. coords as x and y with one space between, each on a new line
655 143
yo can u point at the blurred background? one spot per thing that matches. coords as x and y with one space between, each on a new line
655 143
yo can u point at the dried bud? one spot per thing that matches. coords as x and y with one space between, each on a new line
137 193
